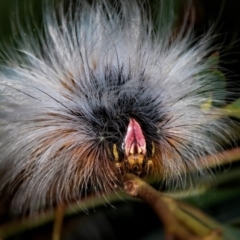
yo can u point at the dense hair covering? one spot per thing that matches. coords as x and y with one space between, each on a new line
68 93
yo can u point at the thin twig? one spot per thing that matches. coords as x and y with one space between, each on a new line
178 224
58 221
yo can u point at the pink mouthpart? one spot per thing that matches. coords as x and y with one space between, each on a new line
134 141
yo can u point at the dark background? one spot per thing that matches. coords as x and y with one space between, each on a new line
129 220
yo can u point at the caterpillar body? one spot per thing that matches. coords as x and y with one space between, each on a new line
100 92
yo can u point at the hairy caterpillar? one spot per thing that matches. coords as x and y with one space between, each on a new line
101 92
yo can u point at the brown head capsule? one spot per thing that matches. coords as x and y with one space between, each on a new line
135 149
